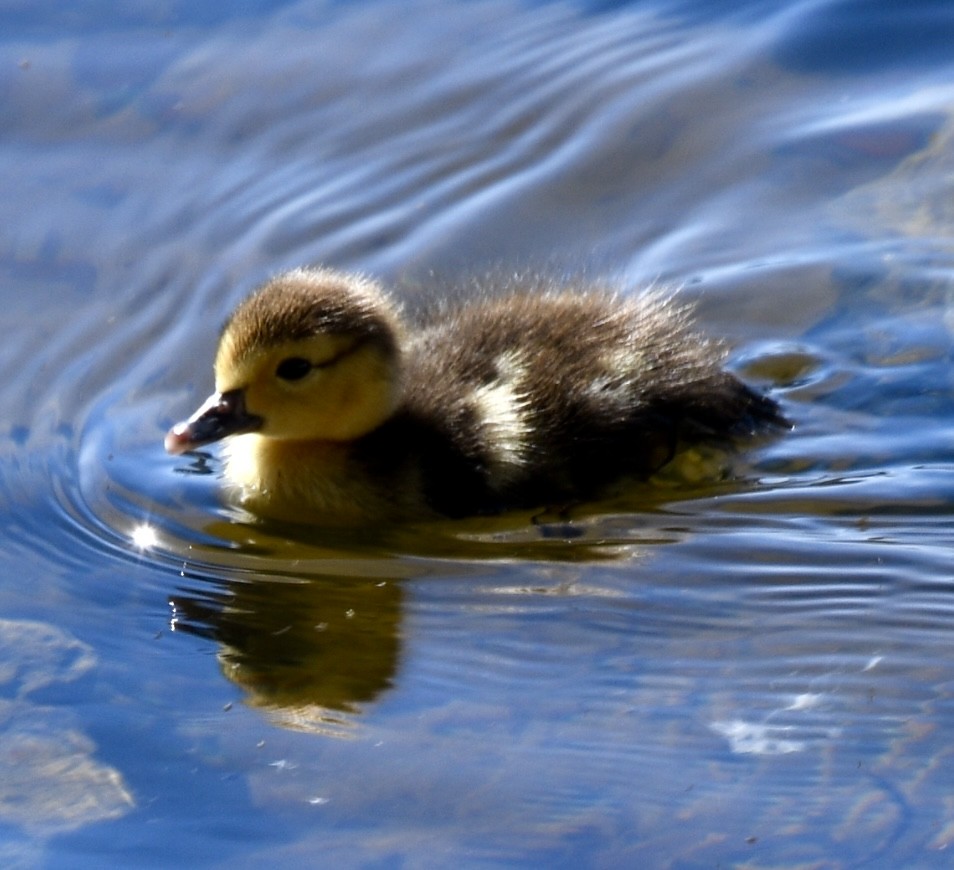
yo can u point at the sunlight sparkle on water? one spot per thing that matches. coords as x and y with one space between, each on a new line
144 537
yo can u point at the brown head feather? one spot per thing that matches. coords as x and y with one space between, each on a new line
306 302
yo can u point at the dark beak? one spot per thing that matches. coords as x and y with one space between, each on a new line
222 414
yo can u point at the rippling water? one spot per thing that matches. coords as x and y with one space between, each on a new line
692 674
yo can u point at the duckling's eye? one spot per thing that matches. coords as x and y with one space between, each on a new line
293 369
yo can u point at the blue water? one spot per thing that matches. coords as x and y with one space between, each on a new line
752 670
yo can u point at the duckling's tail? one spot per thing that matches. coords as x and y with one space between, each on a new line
762 412
730 408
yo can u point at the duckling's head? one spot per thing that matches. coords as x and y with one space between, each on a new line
313 354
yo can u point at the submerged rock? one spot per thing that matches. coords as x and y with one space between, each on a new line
50 780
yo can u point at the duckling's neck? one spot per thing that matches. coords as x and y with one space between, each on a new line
291 479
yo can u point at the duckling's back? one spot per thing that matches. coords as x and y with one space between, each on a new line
537 398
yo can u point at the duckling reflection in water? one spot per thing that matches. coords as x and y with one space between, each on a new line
340 411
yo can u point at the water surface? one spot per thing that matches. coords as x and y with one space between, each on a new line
750 667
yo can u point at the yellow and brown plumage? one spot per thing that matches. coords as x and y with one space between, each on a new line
537 395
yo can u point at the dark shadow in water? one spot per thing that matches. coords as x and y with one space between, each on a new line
305 649
312 643
308 620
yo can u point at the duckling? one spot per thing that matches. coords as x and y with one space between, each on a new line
340 411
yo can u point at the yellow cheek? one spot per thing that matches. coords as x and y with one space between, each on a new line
346 400
324 407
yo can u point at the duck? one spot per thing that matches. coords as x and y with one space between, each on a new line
338 407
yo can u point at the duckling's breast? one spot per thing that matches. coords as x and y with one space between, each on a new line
299 480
